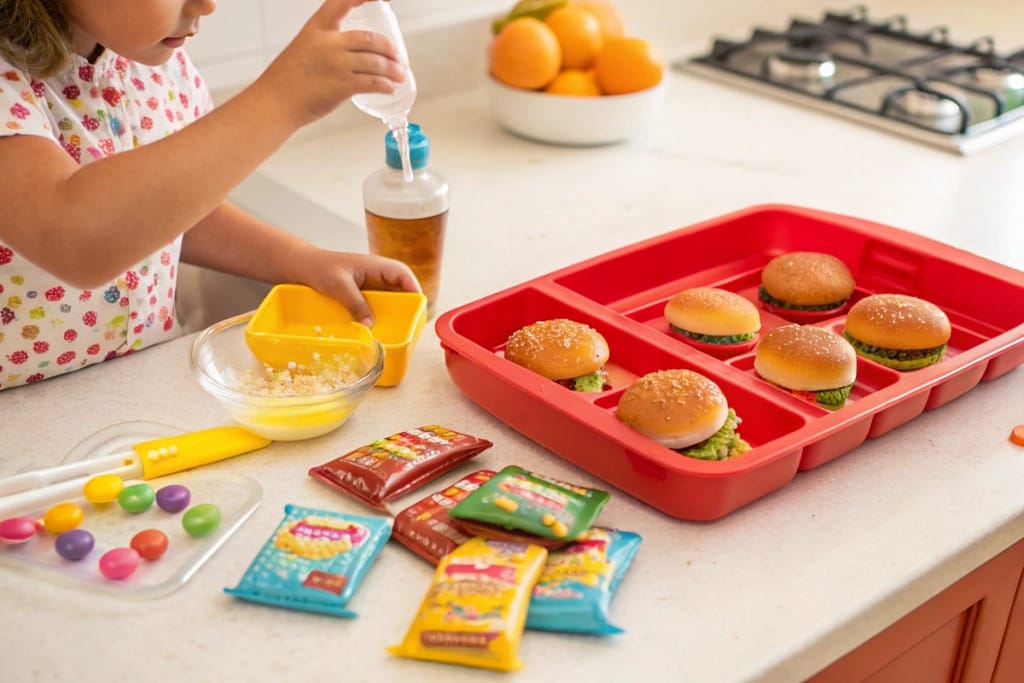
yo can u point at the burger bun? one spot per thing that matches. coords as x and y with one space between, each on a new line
805 358
898 321
712 311
808 278
676 408
558 349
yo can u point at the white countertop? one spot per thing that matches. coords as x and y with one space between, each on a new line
773 592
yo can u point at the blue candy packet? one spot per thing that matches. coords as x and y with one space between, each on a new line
314 561
575 589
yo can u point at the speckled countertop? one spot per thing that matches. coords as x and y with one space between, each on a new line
773 592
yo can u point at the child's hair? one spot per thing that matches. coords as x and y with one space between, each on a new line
35 35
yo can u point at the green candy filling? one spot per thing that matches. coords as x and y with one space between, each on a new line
721 444
592 382
779 303
898 359
833 399
714 339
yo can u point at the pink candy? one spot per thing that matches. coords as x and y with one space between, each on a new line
119 563
17 529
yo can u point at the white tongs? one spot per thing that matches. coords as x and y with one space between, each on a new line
30 491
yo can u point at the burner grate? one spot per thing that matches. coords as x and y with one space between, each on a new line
961 97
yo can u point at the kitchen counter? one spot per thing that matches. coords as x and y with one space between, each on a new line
773 592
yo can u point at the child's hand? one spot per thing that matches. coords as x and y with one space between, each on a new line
342 274
323 66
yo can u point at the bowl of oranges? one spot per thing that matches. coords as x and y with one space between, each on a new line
566 72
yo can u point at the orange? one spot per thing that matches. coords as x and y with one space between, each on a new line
607 15
575 82
626 65
525 54
579 33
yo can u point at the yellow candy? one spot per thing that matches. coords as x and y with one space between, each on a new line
103 488
62 517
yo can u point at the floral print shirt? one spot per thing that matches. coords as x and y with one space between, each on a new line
48 327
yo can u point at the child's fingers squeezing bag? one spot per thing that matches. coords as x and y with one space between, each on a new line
314 561
475 610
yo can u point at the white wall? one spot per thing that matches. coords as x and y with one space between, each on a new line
238 40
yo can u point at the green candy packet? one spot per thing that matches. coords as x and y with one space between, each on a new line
517 499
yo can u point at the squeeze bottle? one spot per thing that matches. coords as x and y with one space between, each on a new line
393 109
406 220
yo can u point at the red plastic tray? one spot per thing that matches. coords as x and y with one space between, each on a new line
622 294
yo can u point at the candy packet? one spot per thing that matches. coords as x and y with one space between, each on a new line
575 589
500 533
535 504
425 527
314 561
398 464
475 610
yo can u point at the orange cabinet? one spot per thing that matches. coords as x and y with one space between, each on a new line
972 632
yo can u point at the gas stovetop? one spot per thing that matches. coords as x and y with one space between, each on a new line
962 97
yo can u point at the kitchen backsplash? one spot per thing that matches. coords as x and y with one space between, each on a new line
446 39
237 41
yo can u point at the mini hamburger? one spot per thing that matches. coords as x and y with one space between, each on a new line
810 362
566 351
898 331
805 282
710 315
684 411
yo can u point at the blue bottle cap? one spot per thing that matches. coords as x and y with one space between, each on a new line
419 149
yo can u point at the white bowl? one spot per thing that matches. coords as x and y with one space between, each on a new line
574 121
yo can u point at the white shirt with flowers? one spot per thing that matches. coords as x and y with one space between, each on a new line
91 110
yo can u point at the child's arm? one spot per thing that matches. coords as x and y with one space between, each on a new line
87 224
260 251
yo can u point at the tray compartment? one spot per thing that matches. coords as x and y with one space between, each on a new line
589 435
622 293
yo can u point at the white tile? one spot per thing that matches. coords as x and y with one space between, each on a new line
284 18
235 29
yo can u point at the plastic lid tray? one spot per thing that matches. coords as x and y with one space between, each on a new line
622 294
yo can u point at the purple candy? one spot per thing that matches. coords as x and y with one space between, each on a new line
173 498
75 544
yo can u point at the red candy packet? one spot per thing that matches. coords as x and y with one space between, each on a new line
391 467
425 527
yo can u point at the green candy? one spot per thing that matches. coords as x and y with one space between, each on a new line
201 520
136 498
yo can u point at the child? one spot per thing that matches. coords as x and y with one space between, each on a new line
99 200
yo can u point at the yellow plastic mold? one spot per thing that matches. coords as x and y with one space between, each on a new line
294 322
398 320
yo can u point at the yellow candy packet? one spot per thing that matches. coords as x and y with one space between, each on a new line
475 611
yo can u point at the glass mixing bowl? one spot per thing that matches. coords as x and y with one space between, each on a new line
282 404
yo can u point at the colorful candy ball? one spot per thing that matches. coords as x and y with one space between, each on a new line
75 544
17 529
201 520
119 563
103 488
62 517
150 544
136 498
173 498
